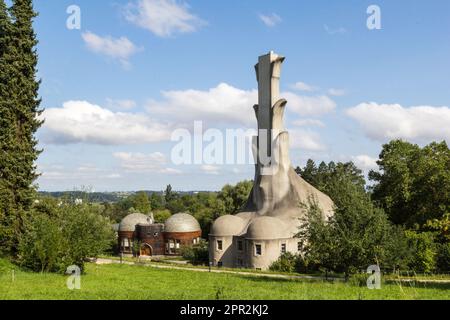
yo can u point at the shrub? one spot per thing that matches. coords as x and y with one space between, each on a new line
287 262
196 254
443 258
424 251
63 235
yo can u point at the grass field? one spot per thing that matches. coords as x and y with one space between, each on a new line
117 281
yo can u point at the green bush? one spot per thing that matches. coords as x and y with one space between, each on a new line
305 265
63 235
287 262
424 251
443 258
196 254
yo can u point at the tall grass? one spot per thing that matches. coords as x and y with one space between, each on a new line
147 283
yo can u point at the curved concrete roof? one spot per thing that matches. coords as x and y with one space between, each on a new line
181 222
267 228
228 226
130 221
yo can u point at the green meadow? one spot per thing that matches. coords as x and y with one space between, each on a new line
135 282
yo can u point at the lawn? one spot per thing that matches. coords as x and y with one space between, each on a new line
135 282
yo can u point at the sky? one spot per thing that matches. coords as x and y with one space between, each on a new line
118 85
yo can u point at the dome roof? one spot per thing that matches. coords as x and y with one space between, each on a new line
266 228
130 221
181 222
228 226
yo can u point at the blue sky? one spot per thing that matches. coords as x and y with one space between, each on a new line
162 64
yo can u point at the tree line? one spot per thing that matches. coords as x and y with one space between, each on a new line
400 222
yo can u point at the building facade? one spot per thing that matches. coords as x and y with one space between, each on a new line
138 235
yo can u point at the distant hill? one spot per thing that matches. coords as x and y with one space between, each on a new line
104 196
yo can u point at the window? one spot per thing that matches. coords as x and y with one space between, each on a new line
220 264
194 241
283 248
240 263
240 245
219 245
178 244
258 249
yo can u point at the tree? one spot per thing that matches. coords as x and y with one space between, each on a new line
168 194
196 254
59 235
156 201
413 183
41 244
287 262
6 196
425 251
19 111
161 215
141 203
232 198
324 175
356 236
309 172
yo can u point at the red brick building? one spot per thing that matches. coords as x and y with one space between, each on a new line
139 235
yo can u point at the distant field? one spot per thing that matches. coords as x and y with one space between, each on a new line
146 283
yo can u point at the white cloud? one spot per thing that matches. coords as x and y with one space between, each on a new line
120 49
270 20
305 140
124 104
227 104
308 123
208 169
162 17
392 121
336 92
223 103
309 105
81 121
151 163
365 162
301 86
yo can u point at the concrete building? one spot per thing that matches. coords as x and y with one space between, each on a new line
139 235
266 227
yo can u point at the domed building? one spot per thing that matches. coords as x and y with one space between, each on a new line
138 234
127 230
180 230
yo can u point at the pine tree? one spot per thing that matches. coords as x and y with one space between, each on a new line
5 126
20 109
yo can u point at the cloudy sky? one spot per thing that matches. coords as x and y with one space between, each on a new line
116 89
